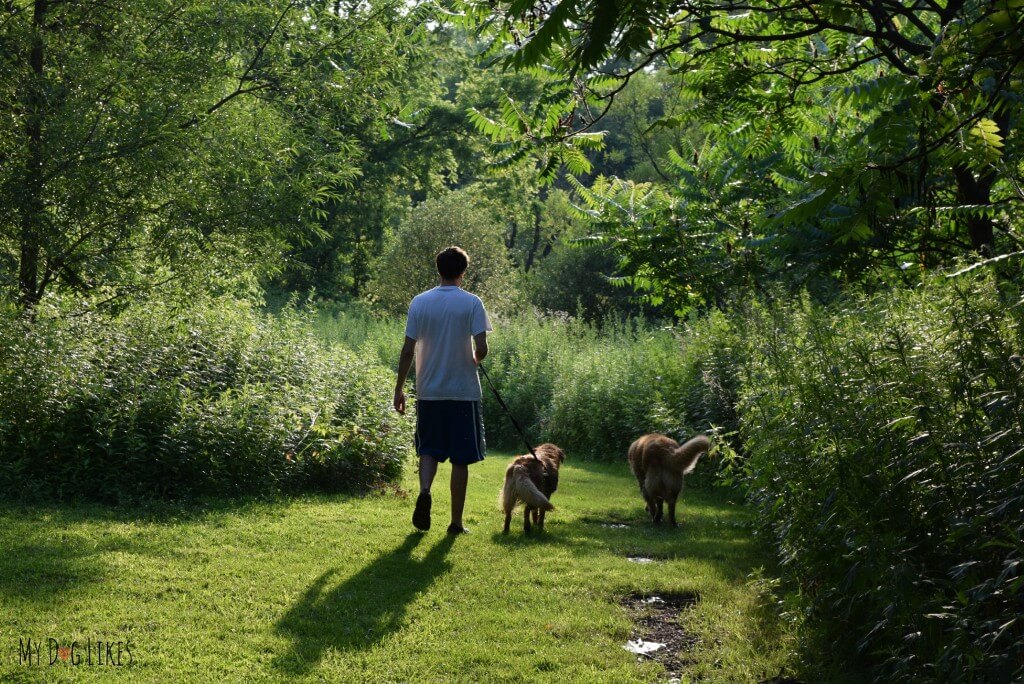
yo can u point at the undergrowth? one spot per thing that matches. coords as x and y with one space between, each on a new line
171 401
886 461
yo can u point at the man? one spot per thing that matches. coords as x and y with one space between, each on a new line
443 325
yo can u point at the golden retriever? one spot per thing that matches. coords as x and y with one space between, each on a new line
532 480
659 464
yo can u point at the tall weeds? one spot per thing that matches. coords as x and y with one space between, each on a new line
886 459
169 402
594 389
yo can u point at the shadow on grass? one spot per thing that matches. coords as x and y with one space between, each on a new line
49 550
364 609
47 568
159 511
713 531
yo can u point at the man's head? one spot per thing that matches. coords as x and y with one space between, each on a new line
451 262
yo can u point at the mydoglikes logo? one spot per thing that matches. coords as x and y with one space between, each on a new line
52 652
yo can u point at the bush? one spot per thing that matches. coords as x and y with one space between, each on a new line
208 400
707 388
591 389
570 273
886 459
463 218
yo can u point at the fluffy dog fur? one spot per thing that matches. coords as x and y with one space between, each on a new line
532 480
659 464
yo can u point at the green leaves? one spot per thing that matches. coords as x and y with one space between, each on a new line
598 38
884 431
985 135
188 140
553 30
206 398
541 132
775 99
878 92
812 205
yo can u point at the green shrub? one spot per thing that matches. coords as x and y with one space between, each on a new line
464 218
886 458
592 387
172 402
376 338
707 388
573 278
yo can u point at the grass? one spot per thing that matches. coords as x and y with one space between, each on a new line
341 589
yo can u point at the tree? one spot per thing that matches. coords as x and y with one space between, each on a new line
636 145
887 128
461 218
425 147
576 275
158 140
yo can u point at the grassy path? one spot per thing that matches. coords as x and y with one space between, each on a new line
340 589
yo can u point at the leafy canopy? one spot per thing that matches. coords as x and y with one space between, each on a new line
833 140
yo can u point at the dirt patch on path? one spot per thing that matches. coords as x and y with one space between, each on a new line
656 617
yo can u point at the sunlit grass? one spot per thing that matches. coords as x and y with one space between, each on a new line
341 589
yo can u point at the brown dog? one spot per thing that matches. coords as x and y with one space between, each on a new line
659 464
532 480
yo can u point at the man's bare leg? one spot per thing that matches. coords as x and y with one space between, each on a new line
421 515
460 478
428 469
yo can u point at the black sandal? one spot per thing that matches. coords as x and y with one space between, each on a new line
421 514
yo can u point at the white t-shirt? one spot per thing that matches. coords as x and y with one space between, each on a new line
443 321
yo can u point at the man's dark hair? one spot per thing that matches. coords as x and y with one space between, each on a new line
451 262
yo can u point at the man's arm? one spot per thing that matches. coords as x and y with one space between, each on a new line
404 364
481 347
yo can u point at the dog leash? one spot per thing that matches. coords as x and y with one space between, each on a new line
501 402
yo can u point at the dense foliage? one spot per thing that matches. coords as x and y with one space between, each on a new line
821 149
155 141
464 218
174 401
817 142
781 182
881 439
593 389
886 458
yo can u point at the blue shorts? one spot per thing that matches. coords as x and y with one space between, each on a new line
450 429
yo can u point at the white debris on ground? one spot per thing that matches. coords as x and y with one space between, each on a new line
642 647
640 559
615 526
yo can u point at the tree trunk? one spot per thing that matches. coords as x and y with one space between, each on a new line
538 213
33 209
976 190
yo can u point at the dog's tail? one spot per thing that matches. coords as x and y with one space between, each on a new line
519 487
684 458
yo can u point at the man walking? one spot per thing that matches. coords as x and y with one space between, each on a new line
446 333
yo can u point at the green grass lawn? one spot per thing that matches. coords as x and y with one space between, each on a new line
341 588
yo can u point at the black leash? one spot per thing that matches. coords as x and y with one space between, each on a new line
505 408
